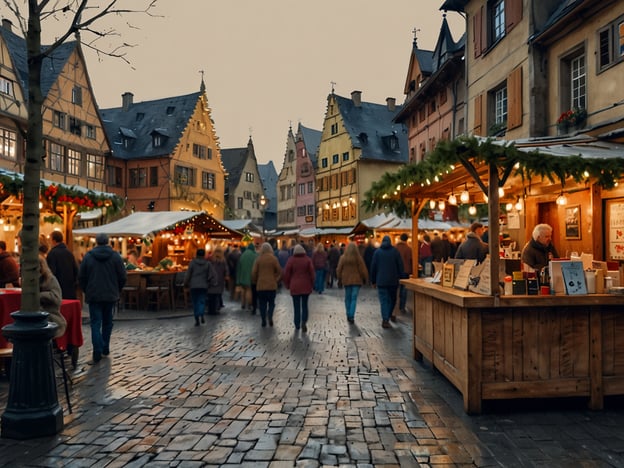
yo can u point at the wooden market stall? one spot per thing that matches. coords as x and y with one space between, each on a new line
161 234
495 346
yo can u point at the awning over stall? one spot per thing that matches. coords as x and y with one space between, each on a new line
142 224
312 232
241 225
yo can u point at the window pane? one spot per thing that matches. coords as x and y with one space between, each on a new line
73 162
578 84
8 143
501 105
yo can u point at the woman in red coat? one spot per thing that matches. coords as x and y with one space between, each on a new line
299 278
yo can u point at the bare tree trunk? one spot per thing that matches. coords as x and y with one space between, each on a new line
32 168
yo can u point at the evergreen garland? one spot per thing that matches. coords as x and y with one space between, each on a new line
387 192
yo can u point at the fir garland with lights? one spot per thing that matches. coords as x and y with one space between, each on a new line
386 193
58 194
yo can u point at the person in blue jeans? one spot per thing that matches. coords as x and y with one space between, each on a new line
102 276
319 260
299 279
386 271
352 274
199 276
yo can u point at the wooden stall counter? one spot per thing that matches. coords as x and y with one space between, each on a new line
521 346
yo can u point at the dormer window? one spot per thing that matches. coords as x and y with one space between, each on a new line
128 137
139 116
391 142
170 110
159 137
363 138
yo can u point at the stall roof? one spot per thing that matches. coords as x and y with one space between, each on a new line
311 232
392 222
241 225
144 223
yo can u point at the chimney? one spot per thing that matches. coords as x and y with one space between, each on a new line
356 97
391 102
126 101
7 24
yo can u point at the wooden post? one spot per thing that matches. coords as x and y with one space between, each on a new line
68 216
494 229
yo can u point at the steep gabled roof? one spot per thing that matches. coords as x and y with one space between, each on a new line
269 177
371 129
446 59
50 67
445 47
233 160
311 140
167 117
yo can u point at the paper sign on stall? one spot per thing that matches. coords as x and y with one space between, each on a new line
462 276
573 277
482 272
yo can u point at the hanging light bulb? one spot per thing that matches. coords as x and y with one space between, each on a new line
519 205
501 192
509 206
432 204
441 205
562 199
452 199
464 197
472 210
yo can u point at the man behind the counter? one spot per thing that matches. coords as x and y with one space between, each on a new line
539 250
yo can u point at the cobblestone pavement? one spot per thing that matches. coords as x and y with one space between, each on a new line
231 393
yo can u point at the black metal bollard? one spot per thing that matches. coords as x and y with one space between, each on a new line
32 409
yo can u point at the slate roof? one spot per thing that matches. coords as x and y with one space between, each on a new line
269 177
50 68
445 46
446 56
425 59
563 9
371 129
311 140
167 117
454 5
233 160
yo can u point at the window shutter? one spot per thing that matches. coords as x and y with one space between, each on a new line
477 27
513 14
514 92
478 115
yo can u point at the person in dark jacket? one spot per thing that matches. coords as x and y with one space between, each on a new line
63 265
215 291
333 256
199 276
9 270
539 251
473 248
386 271
101 276
369 251
231 258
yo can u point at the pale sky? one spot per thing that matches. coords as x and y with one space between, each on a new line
268 63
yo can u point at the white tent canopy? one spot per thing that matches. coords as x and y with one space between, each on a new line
142 224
